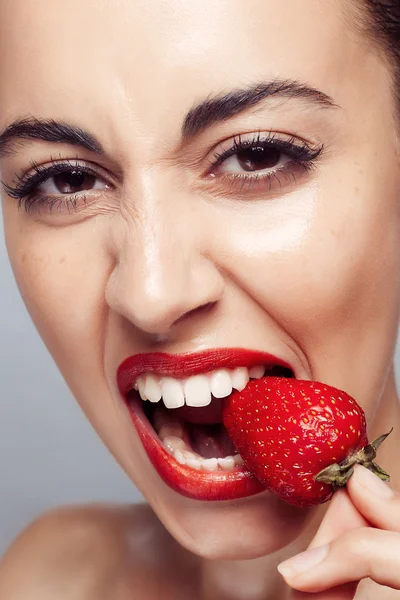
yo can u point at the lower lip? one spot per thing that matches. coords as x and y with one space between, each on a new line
197 485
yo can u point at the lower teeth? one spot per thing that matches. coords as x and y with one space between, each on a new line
174 434
178 448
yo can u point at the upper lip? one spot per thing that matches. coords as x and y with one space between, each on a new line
190 363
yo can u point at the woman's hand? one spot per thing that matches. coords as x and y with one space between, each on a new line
359 537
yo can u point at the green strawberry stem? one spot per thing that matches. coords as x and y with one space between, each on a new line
339 474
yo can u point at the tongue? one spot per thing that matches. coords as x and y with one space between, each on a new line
203 428
211 441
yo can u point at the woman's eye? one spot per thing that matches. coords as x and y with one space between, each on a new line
270 162
253 159
72 181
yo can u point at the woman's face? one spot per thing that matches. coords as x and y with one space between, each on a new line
181 238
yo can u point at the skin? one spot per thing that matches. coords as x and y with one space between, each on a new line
313 267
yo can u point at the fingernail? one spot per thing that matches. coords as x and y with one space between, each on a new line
303 562
372 483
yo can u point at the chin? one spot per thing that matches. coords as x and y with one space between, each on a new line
232 530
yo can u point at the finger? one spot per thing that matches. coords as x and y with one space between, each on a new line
359 553
374 499
340 517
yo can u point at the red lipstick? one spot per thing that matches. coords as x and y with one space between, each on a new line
193 483
185 365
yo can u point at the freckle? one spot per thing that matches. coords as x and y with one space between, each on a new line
62 260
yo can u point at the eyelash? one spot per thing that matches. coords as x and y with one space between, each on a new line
25 188
299 151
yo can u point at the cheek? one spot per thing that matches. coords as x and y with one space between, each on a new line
61 274
326 269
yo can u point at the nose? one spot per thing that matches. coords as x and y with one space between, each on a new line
163 273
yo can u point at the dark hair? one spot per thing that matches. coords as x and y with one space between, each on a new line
383 20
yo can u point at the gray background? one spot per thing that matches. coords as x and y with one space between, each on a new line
49 454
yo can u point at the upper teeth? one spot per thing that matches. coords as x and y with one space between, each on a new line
195 390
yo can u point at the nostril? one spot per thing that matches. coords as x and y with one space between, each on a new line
203 308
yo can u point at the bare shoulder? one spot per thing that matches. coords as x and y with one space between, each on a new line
77 552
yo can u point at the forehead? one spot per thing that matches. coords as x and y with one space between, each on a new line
151 60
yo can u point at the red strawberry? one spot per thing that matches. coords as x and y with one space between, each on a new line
299 438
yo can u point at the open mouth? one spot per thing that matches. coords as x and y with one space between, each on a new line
179 421
187 415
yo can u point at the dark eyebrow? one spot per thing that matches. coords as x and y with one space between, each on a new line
223 107
199 118
47 130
